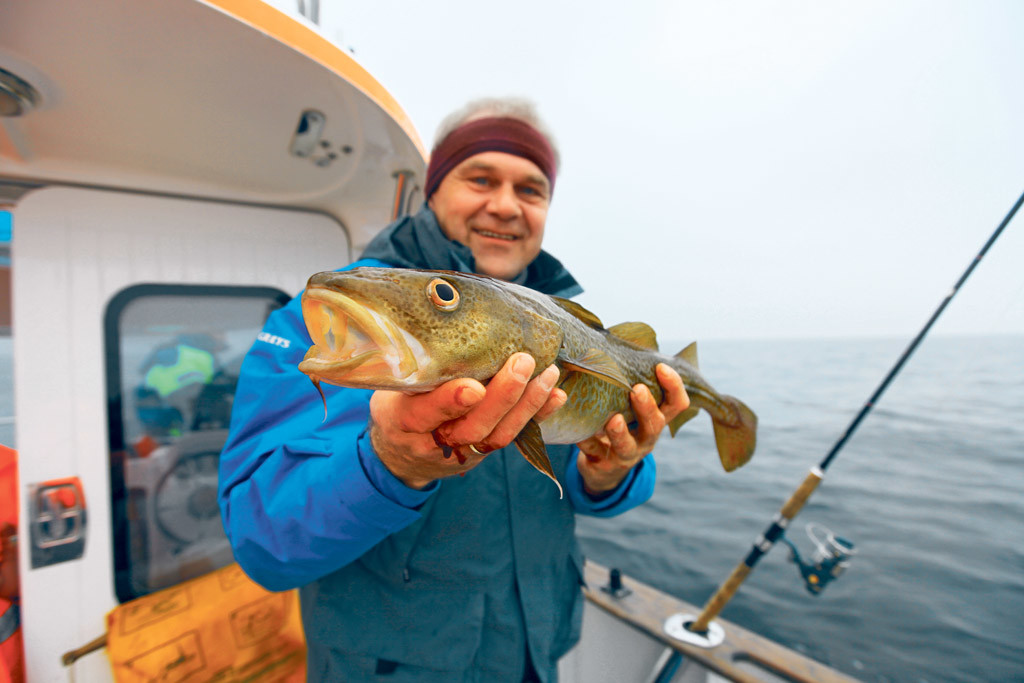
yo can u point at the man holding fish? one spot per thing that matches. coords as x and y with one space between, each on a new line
408 572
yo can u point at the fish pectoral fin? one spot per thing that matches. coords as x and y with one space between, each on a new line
640 334
531 444
599 364
689 354
682 418
579 312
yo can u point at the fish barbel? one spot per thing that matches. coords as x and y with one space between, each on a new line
413 330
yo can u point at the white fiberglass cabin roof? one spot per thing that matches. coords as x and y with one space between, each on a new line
200 99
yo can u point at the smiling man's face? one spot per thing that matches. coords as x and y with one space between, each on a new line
496 204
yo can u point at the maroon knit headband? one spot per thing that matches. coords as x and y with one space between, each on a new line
494 134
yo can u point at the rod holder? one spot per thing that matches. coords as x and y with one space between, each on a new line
679 626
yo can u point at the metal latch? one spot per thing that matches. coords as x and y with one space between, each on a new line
57 521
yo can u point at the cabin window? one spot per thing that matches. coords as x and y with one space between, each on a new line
173 357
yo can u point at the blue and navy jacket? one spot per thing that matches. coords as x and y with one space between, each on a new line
462 578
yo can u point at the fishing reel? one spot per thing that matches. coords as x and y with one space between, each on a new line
831 558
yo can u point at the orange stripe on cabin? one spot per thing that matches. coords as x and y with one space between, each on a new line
294 34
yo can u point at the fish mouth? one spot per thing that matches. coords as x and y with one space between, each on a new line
354 345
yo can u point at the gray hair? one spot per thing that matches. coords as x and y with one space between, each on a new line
512 107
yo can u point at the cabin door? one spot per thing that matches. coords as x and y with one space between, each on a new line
131 314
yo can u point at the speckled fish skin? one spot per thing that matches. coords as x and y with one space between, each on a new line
384 328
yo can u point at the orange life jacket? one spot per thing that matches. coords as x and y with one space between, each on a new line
12 655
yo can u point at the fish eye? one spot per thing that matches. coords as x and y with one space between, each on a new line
442 294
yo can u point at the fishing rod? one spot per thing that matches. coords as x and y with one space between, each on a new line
697 631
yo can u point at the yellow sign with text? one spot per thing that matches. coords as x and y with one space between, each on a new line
218 627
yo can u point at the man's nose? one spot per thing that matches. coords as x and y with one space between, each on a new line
504 202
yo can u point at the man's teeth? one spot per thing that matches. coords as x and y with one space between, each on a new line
488 233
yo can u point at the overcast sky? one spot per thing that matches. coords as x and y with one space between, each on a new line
748 169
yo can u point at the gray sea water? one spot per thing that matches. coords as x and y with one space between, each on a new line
930 489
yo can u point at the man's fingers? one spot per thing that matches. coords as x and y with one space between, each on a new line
650 420
422 413
621 441
609 457
534 398
556 399
675 399
596 448
503 393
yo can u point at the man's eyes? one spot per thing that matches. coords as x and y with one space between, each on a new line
532 191
485 181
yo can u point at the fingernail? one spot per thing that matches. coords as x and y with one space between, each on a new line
523 367
548 378
468 396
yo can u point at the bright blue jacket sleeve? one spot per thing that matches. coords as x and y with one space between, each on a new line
302 493
634 490
296 499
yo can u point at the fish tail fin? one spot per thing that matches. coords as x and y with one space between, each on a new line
737 438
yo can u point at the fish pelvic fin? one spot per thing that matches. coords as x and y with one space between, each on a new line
599 364
640 334
682 418
531 444
689 354
735 441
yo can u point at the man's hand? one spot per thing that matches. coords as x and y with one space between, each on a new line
606 458
405 430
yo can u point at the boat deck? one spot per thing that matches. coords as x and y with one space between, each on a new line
742 656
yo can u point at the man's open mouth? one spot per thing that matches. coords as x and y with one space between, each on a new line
495 235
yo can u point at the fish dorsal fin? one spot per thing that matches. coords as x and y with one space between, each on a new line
689 354
599 364
640 334
580 312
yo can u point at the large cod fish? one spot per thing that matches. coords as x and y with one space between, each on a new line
413 330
